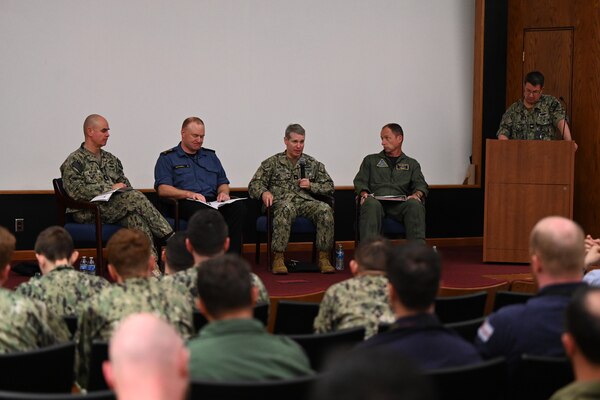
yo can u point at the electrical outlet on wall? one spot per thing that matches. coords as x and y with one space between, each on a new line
19 224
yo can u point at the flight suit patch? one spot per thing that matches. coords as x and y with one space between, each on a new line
402 167
382 164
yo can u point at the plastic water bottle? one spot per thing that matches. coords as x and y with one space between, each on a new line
83 265
91 267
339 258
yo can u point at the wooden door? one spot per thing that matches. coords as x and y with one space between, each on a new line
550 51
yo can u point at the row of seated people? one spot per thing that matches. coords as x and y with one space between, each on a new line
291 182
219 288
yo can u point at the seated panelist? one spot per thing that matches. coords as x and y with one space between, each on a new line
190 171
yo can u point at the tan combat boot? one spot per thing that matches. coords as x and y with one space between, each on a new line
324 264
278 267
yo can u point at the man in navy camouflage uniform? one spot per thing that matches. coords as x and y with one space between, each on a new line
536 117
278 182
61 288
90 171
25 324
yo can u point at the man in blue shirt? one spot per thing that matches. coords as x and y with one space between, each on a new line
414 274
557 258
190 171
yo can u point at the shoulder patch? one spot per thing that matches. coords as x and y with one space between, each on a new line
382 163
402 166
77 166
164 153
211 150
485 331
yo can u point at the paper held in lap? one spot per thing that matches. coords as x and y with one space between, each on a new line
107 195
399 197
218 204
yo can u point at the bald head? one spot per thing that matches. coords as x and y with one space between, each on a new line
146 353
92 121
559 245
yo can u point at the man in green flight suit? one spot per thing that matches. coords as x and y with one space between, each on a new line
288 182
90 171
391 173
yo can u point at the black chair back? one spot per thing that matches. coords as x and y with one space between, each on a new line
261 313
467 329
104 395
323 347
504 298
538 377
460 308
295 317
289 389
485 380
45 370
96 376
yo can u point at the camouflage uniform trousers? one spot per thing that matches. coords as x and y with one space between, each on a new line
284 213
132 210
411 213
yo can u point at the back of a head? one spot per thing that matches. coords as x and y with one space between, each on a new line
395 128
535 78
294 128
372 254
207 232
373 374
177 255
128 251
54 243
7 247
583 322
146 347
414 271
559 244
225 284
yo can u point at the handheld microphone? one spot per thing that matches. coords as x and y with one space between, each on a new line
302 163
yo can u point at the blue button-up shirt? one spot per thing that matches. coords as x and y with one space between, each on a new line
199 173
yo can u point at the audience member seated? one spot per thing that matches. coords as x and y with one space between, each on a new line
207 238
25 324
176 256
147 360
362 300
582 345
414 274
373 374
61 288
557 254
130 263
592 261
233 346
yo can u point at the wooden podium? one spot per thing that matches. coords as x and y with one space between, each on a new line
525 181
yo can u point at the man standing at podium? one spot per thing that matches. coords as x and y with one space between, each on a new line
537 117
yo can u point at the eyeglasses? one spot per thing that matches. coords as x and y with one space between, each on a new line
533 92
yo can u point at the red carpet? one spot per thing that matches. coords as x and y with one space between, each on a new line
461 267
